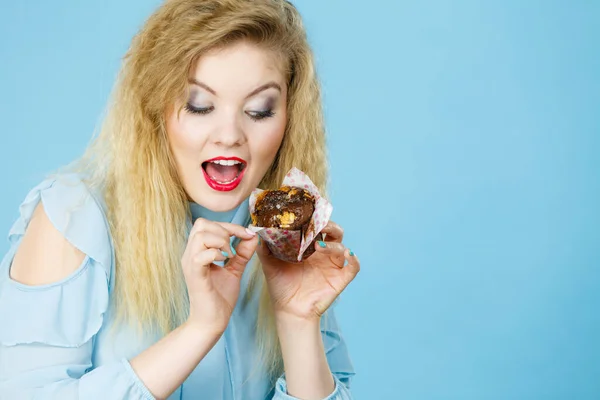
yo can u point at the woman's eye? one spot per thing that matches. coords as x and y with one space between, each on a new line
198 110
260 115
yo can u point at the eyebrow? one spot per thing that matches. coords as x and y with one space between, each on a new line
256 91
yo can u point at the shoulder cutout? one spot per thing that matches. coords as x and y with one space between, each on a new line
44 255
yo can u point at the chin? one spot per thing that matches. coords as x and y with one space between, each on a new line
221 198
219 201
223 205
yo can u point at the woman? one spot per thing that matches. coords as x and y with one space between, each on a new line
127 275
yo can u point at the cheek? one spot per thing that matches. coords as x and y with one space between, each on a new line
182 141
265 143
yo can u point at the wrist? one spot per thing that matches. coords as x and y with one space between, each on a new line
283 319
293 330
296 325
305 363
202 331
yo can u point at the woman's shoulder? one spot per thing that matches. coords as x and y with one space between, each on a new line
75 210
58 268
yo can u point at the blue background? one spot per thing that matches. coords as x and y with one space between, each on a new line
465 152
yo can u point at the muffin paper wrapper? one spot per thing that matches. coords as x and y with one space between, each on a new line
290 245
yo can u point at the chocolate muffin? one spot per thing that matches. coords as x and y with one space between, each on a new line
286 208
289 208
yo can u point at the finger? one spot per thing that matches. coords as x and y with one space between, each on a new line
204 225
202 261
334 232
335 251
223 228
270 263
353 267
237 230
227 228
207 232
208 240
262 249
245 251
200 227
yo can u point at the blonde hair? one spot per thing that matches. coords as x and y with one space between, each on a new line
131 160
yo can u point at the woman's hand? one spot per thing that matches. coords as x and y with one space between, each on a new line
214 290
306 290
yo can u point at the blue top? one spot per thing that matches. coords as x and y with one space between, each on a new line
55 341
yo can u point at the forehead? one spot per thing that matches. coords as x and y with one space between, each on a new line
239 67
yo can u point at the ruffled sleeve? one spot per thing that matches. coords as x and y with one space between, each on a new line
47 332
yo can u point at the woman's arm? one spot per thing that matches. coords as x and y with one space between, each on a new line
45 256
164 366
301 294
307 372
48 354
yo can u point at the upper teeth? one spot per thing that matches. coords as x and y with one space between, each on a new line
226 162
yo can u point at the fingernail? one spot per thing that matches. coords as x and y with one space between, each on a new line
233 251
249 232
351 253
224 253
322 244
259 240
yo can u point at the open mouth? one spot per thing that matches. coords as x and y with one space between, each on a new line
224 173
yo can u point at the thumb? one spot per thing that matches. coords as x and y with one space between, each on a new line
266 259
244 252
265 254
262 249
270 263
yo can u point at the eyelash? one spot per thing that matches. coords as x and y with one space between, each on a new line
255 115
260 115
201 111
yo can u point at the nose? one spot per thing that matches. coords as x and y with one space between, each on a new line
229 132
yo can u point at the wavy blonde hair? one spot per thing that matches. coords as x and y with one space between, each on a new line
131 160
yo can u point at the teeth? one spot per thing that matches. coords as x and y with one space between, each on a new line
226 162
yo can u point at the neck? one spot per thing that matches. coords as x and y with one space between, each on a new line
238 215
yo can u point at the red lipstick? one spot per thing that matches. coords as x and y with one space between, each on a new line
224 184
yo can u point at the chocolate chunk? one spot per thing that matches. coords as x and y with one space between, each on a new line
286 208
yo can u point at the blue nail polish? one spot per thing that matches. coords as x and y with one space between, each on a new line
224 253
322 244
259 240
351 253
233 251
